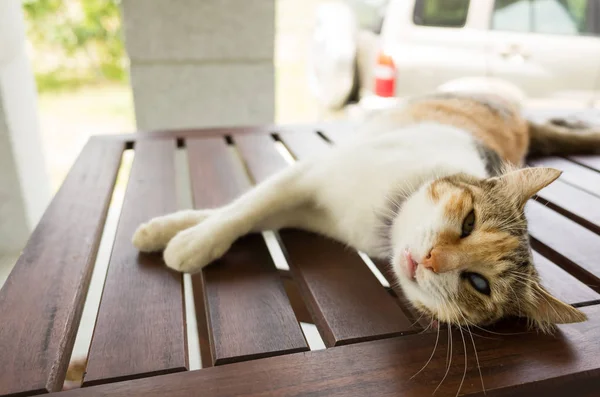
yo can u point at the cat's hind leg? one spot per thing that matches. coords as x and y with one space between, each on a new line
155 234
268 204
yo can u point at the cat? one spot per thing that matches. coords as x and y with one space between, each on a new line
434 185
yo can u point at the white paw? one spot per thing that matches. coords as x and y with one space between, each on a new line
194 248
155 235
147 238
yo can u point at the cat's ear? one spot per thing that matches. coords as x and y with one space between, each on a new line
544 310
522 184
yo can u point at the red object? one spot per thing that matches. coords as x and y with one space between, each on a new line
385 76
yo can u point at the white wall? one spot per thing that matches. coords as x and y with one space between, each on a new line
201 63
24 185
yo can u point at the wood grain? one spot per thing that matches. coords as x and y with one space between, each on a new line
140 329
42 299
211 164
566 243
573 174
347 302
572 202
563 285
249 314
523 365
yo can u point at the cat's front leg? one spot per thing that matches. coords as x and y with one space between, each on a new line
155 234
192 249
196 247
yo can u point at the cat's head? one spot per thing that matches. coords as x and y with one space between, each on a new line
461 251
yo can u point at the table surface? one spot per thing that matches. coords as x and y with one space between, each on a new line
248 311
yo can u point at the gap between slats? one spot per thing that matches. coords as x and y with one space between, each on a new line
92 300
184 201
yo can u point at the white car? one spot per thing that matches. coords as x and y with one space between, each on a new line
547 52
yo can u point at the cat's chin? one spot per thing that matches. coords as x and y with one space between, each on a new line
415 294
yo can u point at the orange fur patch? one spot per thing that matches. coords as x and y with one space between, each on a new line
507 134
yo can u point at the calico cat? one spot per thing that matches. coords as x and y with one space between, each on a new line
433 186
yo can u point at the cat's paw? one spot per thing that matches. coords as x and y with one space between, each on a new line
154 235
148 238
194 248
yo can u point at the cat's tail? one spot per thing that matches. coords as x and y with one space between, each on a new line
563 137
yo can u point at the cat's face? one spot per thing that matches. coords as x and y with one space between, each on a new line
461 251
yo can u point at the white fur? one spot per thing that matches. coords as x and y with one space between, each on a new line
340 194
415 229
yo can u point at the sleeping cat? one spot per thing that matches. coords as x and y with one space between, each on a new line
432 185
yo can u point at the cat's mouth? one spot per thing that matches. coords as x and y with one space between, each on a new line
410 266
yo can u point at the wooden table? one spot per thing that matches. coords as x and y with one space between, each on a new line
248 311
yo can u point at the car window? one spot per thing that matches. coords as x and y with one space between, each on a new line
564 17
441 13
512 15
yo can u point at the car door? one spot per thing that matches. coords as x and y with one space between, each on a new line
548 48
433 42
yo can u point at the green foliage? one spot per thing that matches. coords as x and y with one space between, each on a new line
78 40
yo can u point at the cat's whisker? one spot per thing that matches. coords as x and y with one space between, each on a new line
432 354
466 362
427 328
449 361
476 355
498 333
418 319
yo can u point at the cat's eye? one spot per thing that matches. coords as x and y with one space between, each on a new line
478 282
468 225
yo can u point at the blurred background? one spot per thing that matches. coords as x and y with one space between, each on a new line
70 69
327 56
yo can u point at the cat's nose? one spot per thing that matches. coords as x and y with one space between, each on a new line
429 262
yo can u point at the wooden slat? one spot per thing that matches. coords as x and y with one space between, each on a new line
42 299
249 315
346 301
263 129
565 243
574 174
215 172
589 161
339 133
304 144
575 204
563 285
260 156
524 365
140 329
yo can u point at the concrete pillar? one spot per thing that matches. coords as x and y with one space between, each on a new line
24 185
201 63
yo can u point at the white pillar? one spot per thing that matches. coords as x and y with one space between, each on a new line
201 63
24 185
